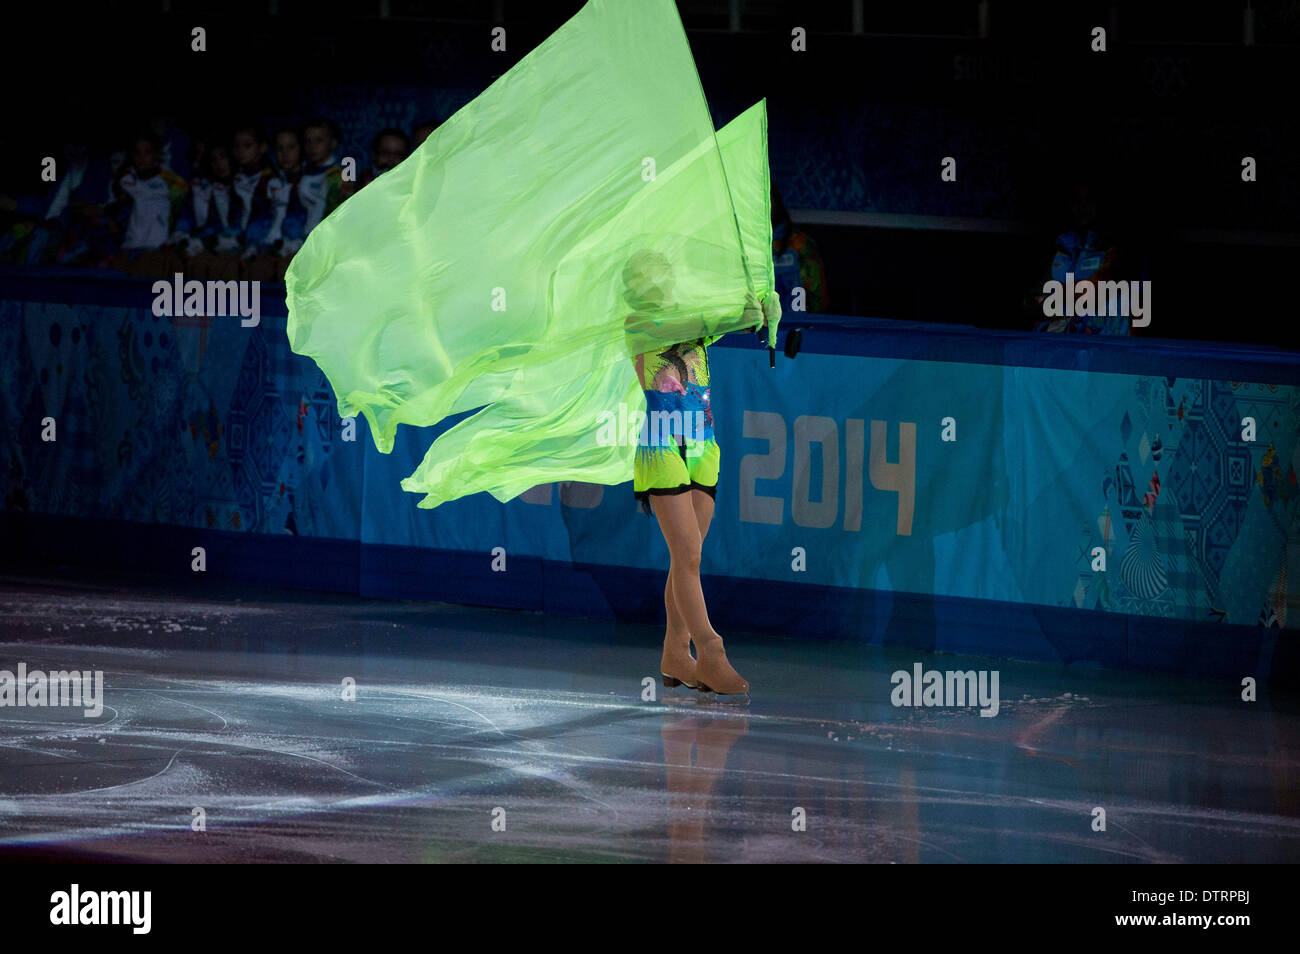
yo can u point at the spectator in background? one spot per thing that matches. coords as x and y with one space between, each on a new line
90 233
1092 254
422 132
174 147
797 262
390 147
252 170
281 233
206 230
148 201
197 157
322 186
288 153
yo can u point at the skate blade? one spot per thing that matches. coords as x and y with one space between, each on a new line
724 698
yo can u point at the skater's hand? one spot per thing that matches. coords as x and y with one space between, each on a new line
771 308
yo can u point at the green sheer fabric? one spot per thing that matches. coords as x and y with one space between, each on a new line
743 144
585 428
576 213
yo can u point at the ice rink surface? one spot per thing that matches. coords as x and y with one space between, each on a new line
485 735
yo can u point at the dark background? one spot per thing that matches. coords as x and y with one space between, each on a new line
1160 121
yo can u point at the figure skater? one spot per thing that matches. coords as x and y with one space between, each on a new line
675 477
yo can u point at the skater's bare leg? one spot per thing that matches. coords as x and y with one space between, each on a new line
677 660
681 529
703 506
678 632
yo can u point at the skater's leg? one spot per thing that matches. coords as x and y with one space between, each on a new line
681 529
681 532
702 503
677 662
677 633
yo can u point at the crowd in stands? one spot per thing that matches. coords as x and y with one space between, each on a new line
239 206
243 206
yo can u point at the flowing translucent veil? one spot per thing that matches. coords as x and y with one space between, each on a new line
504 264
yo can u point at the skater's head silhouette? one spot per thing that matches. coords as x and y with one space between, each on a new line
648 280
